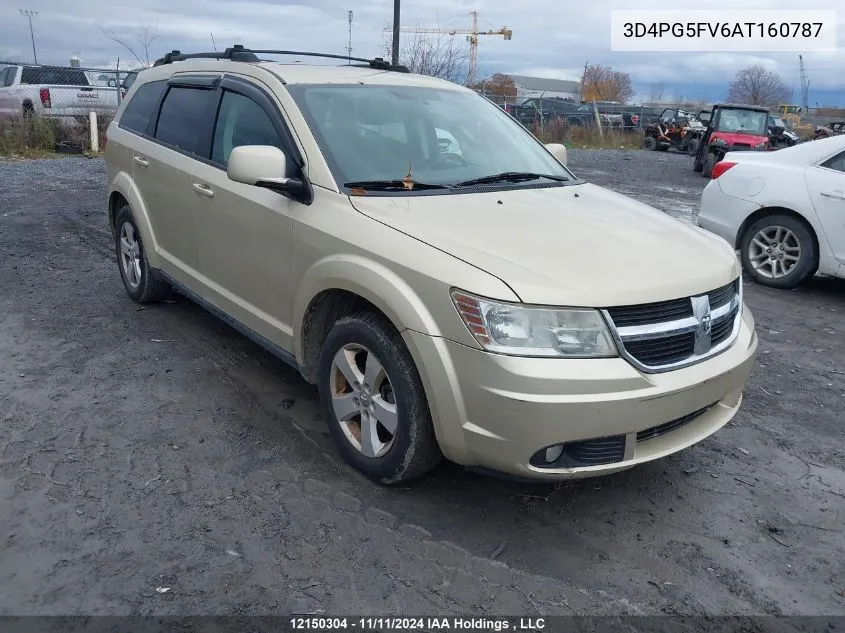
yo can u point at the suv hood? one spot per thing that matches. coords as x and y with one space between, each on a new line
578 245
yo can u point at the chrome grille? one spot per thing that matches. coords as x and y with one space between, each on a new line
671 334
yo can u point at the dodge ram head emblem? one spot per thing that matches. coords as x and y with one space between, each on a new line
701 312
706 323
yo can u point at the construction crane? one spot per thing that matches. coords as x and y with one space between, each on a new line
805 85
472 37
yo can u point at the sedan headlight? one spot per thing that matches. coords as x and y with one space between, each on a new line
522 330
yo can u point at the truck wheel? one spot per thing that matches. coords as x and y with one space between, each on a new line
779 251
141 282
28 110
709 163
692 147
650 143
373 400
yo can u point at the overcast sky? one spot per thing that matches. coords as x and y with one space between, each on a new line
550 39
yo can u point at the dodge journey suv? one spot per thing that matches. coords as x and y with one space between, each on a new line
447 283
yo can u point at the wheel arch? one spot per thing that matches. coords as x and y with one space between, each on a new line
342 284
775 210
123 191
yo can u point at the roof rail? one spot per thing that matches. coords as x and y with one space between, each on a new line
238 53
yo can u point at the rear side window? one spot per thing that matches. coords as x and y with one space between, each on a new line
7 76
183 118
139 110
241 122
837 162
53 76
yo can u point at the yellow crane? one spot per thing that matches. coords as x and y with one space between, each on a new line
472 37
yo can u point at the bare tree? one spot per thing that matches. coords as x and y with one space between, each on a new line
602 83
755 85
435 54
137 40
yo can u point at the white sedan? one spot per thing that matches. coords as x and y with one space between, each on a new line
783 210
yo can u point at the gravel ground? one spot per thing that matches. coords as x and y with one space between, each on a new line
154 461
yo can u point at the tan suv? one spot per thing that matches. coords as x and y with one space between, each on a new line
441 276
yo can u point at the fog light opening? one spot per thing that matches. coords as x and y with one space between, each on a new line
553 453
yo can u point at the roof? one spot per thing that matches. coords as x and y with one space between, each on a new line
546 85
741 106
302 73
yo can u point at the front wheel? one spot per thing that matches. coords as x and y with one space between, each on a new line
649 143
692 147
779 251
373 400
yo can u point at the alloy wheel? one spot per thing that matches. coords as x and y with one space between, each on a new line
130 254
363 400
774 252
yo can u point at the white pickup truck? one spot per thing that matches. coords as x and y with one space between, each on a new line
52 91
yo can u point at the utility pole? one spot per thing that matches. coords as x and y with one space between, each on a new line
395 46
349 47
29 14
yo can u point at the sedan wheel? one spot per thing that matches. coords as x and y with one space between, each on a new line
774 251
779 251
363 400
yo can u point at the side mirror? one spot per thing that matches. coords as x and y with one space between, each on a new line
265 166
558 151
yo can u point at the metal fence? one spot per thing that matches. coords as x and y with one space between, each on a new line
57 108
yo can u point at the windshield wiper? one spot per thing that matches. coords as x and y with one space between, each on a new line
509 176
390 185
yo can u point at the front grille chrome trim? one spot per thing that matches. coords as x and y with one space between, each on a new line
657 331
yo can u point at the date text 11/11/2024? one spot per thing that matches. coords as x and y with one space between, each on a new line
385 624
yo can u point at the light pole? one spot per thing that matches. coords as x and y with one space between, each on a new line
29 15
395 47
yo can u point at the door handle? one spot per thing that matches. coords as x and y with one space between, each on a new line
203 190
142 162
834 194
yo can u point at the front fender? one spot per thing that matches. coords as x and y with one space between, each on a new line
122 183
369 279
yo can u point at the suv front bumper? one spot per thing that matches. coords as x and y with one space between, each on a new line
497 412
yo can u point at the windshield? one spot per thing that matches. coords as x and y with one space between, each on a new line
747 121
444 137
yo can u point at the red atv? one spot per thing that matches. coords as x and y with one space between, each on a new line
731 128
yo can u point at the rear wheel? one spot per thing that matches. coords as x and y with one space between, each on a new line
649 143
142 283
373 400
779 251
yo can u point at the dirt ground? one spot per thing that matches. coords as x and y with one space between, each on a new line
154 461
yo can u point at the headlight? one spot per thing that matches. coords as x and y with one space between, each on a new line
762 145
719 142
521 330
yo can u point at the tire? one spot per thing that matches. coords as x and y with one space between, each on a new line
142 283
709 164
663 148
765 273
28 110
698 164
692 147
411 450
649 143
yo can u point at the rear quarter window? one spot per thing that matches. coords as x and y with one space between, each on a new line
141 107
53 76
184 117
